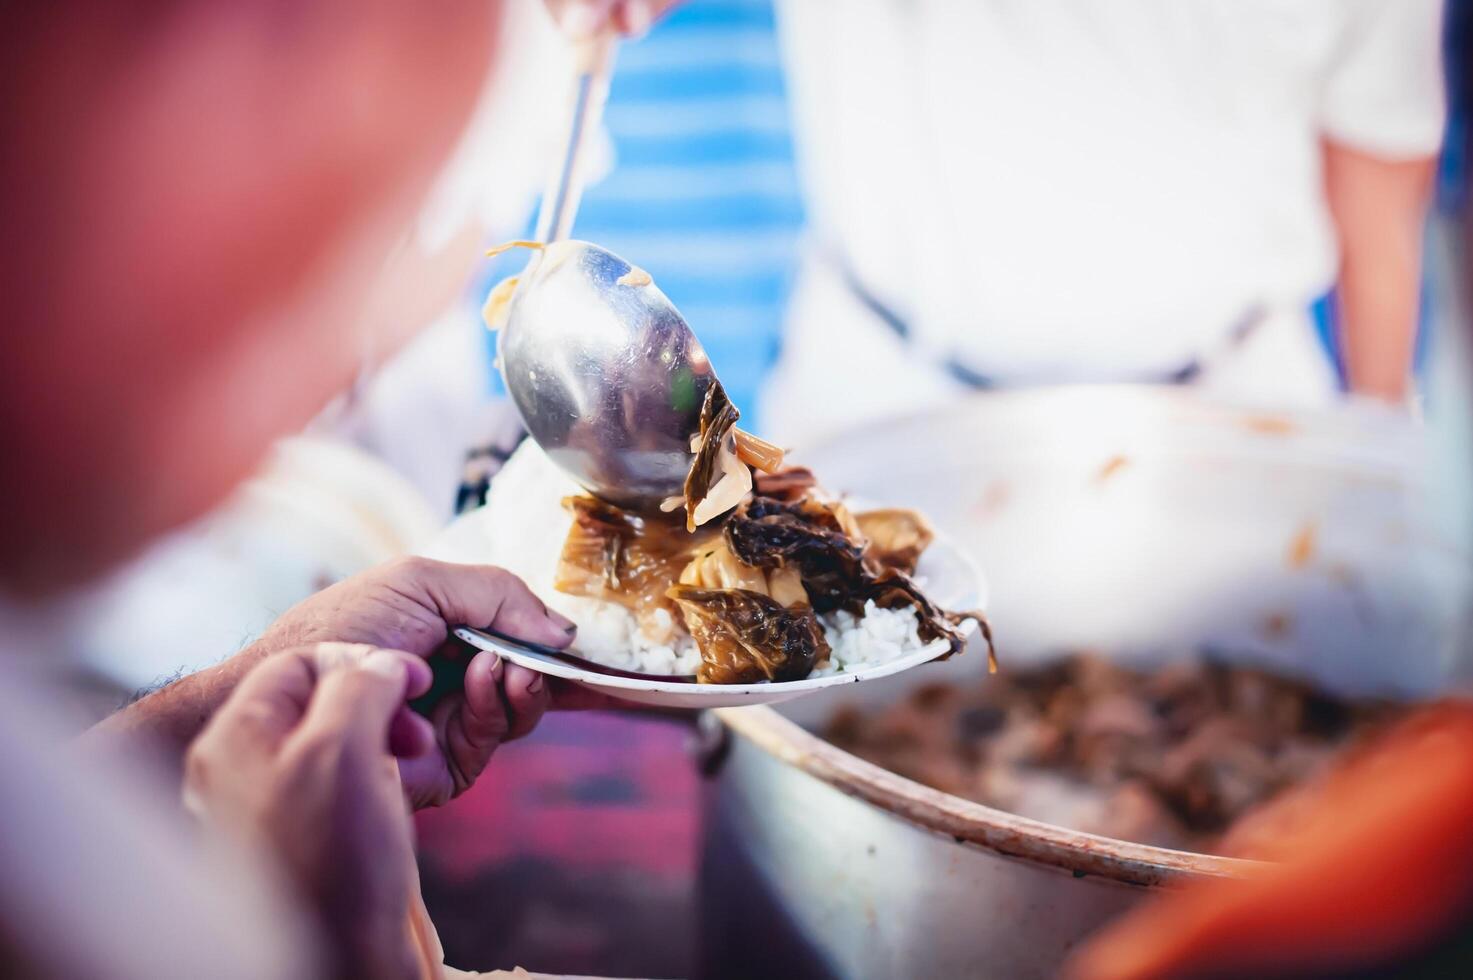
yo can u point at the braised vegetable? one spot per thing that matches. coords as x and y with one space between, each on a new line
757 453
620 556
896 537
786 485
746 637
750 587
822 541
805 535
718 568
718 415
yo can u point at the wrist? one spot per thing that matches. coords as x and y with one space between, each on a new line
172 716
1399 394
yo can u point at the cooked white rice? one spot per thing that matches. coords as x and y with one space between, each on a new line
526 524
880 635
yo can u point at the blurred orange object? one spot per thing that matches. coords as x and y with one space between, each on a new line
1373 866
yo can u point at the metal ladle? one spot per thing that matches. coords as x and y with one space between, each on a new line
607 376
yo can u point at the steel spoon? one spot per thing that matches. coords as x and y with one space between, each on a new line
606 374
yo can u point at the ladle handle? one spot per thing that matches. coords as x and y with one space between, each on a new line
594 60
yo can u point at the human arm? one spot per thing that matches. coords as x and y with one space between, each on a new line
1381 112
408 604
1378 207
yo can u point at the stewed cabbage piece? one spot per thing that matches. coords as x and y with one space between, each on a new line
620 556
839 567
746 637
895 537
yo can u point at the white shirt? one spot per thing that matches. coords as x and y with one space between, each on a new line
1090 189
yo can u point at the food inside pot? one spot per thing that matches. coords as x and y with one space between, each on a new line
1174 757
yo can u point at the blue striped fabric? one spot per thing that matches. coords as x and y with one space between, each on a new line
703 193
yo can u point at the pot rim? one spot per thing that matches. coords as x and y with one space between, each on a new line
967 822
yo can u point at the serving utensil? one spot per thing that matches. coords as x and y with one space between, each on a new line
593 59
607 375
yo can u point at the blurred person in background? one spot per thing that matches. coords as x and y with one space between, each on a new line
1009 193
202 203
1005 193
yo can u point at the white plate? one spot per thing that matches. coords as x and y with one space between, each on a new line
950 579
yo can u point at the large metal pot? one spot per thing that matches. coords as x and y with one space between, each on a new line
1138 523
